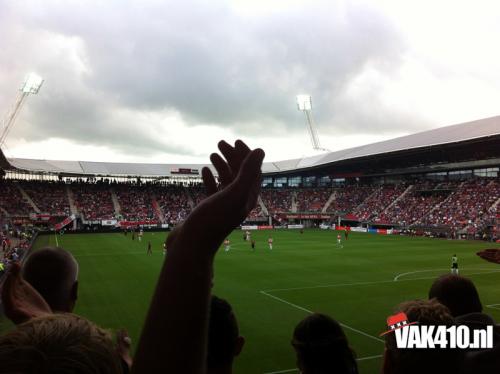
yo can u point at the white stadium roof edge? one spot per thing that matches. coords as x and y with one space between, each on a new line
444 135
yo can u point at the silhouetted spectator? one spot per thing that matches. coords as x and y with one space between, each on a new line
224 340
322 347
53 272
457 293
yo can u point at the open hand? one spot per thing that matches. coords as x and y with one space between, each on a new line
20 300
227 204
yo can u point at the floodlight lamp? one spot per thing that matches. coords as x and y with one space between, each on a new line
304 102
32 84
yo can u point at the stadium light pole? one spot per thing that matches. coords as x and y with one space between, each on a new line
31 85
304 104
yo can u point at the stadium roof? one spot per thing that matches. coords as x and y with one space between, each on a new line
482 128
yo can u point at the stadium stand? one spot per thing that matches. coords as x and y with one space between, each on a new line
442 179
374 205
93 200
313 199
12 201
49 197
277 200
347 199
172 201
466 207
470 205
135 202
412 207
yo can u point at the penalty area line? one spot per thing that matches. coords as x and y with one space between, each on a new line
415 272
374 282
311 312
483 271
295 369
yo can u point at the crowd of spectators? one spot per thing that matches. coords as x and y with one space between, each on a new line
93 201
312 199
277 200
173 202
416 204
256 214
458 205
135 202
373 207
14 242
349 197
189 330
11 199
49 197
467 207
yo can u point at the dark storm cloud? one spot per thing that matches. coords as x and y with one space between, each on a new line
202 59
218 68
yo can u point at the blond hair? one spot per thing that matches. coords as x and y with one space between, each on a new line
58 343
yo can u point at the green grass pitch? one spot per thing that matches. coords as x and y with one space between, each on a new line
272 290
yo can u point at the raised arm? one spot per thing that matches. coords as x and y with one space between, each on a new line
20 300
174 336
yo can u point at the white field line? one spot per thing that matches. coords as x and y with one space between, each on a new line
282 371
369 358
374 282
57 242
415 272
292 370
110 254
493 306
266 293
311 312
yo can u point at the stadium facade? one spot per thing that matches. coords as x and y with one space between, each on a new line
469 147
453 154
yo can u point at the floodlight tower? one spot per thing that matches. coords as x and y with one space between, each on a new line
304 104
31 86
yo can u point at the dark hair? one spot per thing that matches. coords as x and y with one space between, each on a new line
457 293
223 333
322 347
53 273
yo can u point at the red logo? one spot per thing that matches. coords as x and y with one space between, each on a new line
397 321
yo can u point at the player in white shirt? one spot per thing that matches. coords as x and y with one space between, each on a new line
339 241
270 243
227 245
141 233
247 235
454 265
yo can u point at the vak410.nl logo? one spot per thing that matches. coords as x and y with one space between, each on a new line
414 335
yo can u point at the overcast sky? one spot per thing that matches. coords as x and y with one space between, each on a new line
163 81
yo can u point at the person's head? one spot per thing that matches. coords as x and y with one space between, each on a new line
457 293
224 340
58 343
322 347
53 272
415 360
